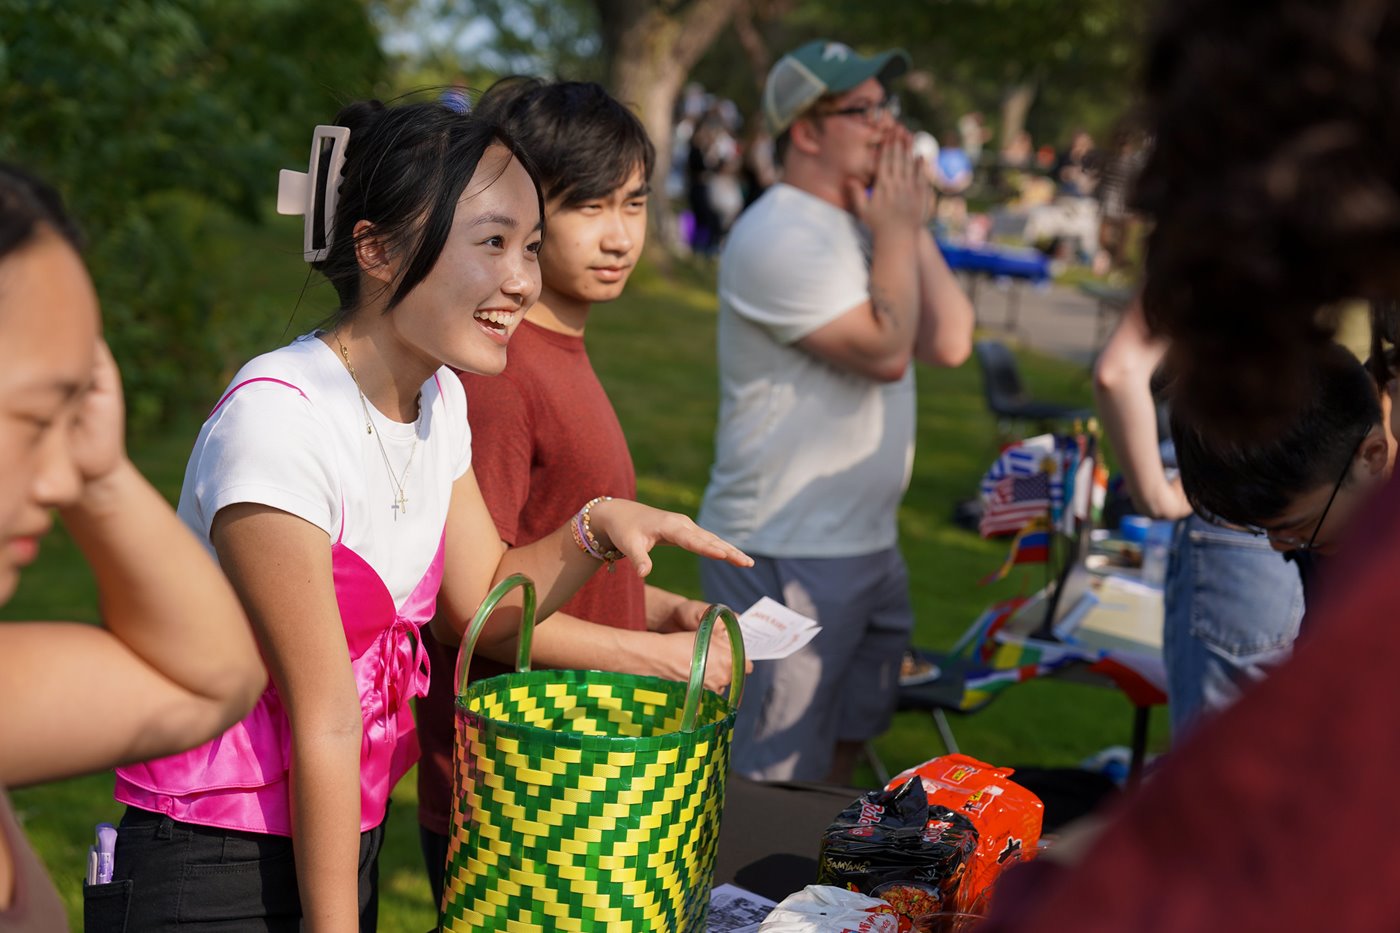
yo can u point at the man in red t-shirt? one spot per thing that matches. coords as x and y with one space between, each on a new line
545 438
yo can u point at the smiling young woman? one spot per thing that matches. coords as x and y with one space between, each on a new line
333 480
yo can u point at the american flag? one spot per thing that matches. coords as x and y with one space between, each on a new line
1014 502
1041 456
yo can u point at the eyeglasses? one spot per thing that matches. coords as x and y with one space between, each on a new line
1290 541
1322 519
870 114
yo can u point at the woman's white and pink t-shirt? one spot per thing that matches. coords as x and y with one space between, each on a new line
290 433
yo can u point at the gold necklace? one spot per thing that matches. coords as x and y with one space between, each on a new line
400 498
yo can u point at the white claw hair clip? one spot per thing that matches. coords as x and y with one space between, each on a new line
298 192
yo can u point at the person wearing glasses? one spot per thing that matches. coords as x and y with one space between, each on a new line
830 285
1232 606
1298 488
1273 189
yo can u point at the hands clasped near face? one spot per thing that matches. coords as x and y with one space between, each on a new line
901 198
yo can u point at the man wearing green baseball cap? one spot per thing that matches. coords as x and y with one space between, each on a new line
830 285
820 67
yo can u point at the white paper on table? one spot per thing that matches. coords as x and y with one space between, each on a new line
772 630
735 910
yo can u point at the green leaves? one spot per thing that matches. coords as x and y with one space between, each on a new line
1079 54
155 117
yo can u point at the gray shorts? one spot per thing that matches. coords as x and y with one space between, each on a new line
843 684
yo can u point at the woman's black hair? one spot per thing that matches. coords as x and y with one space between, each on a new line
406 167
585 142
1273 185
28 204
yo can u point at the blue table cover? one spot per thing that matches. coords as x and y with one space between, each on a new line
1012 261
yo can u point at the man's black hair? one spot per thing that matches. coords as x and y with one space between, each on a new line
406 168
1252 481
584 142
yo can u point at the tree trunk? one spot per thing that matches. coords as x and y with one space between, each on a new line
1015 105
651 46
753 20
754 46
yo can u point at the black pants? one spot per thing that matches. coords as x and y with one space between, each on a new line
180 876
435 859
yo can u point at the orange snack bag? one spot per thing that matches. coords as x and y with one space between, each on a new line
1007 816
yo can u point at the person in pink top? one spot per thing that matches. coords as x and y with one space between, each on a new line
333 481
173 661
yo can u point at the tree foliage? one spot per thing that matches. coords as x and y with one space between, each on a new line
651 47
642 50
483 39
154 117
1079 55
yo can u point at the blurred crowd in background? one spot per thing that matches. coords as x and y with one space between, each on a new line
1065 197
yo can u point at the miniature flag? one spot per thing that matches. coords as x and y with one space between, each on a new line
1087 484
1007 505
1015 501
1031 546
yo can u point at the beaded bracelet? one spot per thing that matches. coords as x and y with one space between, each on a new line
586 540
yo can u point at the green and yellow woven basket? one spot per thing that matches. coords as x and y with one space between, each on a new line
586 800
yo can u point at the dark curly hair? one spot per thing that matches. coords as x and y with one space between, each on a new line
1274 187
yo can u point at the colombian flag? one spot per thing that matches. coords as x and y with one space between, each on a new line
1030 546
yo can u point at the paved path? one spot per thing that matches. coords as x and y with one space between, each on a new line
1056 320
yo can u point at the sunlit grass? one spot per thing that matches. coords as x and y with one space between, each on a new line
654 350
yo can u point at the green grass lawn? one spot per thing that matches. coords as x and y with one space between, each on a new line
655 351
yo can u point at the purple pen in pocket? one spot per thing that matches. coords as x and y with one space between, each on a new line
106 849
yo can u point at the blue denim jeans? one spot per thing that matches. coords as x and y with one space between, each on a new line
1233 606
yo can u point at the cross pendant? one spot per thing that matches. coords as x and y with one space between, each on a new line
400 505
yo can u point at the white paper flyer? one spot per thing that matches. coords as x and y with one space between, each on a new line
772 630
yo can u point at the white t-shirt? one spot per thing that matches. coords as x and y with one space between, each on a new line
305 451
810 460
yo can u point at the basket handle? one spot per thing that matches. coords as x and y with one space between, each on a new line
702 652
478 622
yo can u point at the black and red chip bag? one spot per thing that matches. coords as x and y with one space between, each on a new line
1007 816
894 845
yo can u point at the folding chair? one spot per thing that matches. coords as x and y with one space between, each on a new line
1006 393
965 684
976 670
947 692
